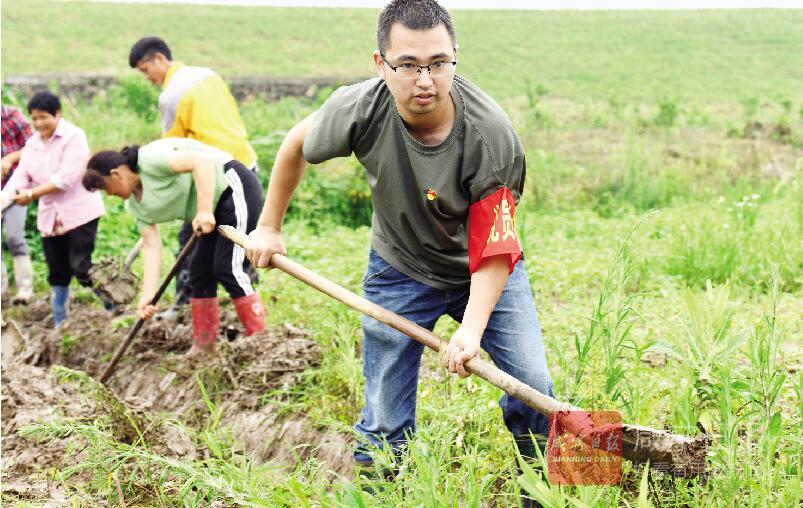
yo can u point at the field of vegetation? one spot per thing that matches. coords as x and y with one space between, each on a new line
661 226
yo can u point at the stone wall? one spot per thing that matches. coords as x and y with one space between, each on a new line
89 86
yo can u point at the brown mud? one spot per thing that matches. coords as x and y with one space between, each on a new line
114 281
153 383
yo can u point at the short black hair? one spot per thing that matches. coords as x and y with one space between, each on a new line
101 164
145 48
45 101
413 14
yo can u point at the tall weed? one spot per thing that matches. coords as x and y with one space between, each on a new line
608 337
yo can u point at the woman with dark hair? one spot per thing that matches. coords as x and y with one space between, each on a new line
184 179
50 169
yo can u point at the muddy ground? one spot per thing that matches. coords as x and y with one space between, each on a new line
153 386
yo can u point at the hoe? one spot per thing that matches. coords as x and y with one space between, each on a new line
684 456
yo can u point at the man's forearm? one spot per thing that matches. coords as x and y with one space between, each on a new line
288 169
283 182
487 284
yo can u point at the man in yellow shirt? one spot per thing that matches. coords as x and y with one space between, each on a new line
194 103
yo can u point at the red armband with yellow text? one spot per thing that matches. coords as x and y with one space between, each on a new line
491 229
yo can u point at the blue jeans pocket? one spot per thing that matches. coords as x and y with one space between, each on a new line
376 268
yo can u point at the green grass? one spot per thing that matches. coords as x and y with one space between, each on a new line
727 348
649 55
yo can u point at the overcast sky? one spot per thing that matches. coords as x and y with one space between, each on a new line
512 4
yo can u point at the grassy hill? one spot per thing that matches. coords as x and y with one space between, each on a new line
708 55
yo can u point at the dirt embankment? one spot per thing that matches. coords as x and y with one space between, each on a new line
153 386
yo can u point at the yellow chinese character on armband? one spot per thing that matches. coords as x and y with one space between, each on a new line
508 226
493 236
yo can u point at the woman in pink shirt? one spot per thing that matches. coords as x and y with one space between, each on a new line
51 166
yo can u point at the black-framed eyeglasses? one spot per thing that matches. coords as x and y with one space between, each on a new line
412 71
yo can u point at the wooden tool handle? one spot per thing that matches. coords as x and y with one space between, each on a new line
132 255
542 403
687 455
121 349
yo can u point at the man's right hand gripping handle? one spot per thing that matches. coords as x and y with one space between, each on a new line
262 243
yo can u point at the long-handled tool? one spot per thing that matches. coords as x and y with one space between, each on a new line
121 349
682 455
132 255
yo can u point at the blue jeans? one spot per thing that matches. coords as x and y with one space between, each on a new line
391 359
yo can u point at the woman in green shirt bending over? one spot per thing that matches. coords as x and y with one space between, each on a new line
184 179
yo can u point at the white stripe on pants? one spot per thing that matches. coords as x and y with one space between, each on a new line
241 212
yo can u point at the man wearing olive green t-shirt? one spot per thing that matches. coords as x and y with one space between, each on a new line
446 170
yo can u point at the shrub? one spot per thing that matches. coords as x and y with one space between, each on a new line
667 113
323 198
537 115
135 94
639 181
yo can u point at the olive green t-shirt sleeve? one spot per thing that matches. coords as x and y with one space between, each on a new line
339 124
491 177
